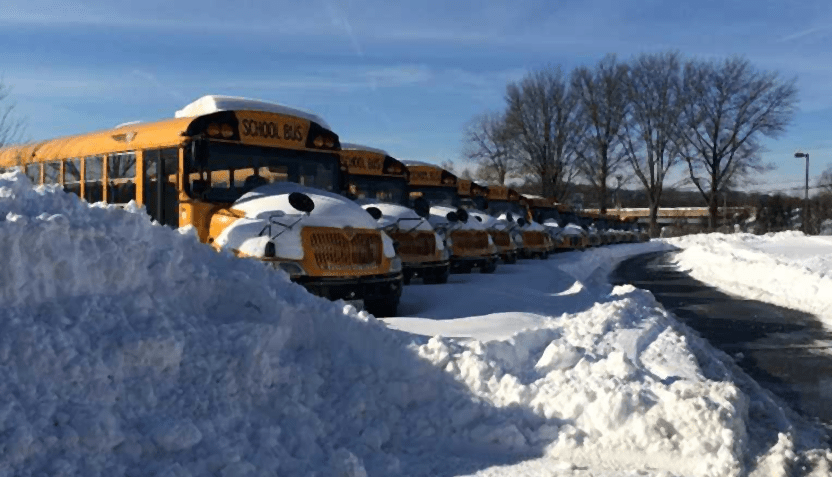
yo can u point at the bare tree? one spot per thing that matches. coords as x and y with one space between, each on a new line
825 180
11 128
487 143
603 102
448 165
541 122
651 135
730 105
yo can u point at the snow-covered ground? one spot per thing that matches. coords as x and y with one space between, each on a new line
787 269
127 348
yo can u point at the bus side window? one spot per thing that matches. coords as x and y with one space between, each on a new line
33 173
93 173
72 176
121 177
52 172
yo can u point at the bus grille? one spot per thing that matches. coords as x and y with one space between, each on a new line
344 249
419 244
469 242
501 239
533 239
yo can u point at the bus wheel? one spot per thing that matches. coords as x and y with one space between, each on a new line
490 268
407 277
544 255
438 276
511 258
383 307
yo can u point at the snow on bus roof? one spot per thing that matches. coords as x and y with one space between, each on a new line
408 162
213 103
348 146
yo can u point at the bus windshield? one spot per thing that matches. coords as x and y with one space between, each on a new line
444 196
230 170
544 215
570 218
476 203
385 189
497 207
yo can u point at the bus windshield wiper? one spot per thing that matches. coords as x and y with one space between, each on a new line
273 221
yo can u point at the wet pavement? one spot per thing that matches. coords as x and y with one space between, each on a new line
786 351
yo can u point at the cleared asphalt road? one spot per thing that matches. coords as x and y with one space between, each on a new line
786 351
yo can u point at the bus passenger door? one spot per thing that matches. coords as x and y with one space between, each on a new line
160 197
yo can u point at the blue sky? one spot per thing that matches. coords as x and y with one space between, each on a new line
404 77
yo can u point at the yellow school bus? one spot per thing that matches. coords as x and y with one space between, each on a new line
474 199
470 244
545 212
378 182
506 202
255 178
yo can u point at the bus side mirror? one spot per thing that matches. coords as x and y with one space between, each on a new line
451 216
421 207
521 222
462 215
509 217
301 202
374 212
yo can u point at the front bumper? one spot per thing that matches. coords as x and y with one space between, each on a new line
458 263
417 267
371 287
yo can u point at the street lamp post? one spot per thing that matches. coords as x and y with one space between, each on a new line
806 193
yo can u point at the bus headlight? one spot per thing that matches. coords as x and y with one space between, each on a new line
292 268
395 265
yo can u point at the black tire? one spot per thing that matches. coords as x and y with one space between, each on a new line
544 255
383 307
463 268
438 276
407 277
510 258
490 268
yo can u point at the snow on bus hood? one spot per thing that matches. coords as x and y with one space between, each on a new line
529 227
573 229
553 227
391 213
489 221
272 201
438 218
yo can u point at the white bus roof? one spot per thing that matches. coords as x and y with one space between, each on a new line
213 103
348 146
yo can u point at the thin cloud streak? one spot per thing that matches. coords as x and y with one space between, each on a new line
803 34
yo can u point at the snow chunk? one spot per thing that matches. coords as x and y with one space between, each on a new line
214 103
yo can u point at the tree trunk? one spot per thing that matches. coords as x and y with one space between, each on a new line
654 219
713 210
602 200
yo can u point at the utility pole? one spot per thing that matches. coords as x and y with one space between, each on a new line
806 193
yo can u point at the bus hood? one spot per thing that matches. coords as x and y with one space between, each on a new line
269 214
391 214
438 218
490 222
574 230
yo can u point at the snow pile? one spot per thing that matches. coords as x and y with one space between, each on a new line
616 380
127 348
787 268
